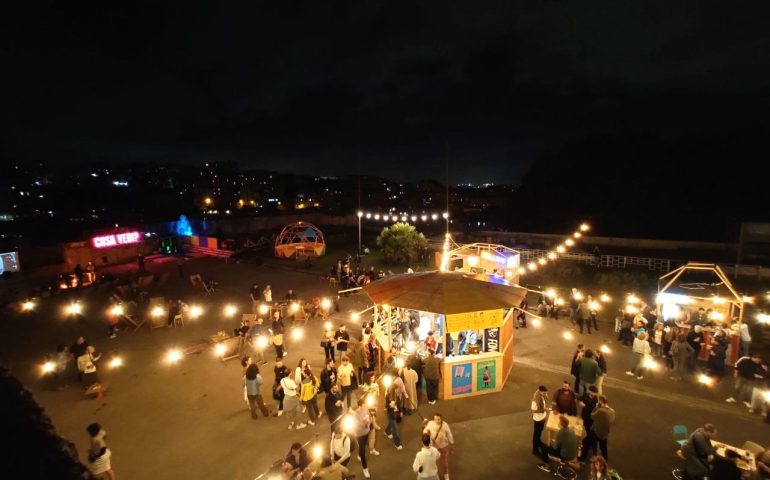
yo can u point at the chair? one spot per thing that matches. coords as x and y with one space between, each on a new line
752 447
680 434
178 320
198 282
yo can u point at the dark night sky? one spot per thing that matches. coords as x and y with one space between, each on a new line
318 86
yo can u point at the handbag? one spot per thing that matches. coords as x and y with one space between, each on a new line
354 381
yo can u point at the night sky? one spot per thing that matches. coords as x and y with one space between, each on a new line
393 86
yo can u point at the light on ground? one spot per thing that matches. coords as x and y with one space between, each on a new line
157 311
561 249
196 311
116 362
705 380
219 349
230 310
567 335
387 381
261 342
173 355
263 309
297 333
605 349
48 367
536 322
604 298
317 452
650 364
370 401
348 423
28 306
117 310
294 307
74 308
326 304
411 346
328 326
355 316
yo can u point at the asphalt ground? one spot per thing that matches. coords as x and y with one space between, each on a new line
189 420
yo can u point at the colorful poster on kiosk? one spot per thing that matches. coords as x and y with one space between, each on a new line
486 375
474 320
462 379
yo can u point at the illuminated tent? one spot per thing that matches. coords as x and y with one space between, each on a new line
300 240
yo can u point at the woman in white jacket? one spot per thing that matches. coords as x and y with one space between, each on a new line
641 350
291 401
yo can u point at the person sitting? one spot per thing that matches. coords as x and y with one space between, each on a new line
328 470
725 468
698 451
566 447
297 460
564 400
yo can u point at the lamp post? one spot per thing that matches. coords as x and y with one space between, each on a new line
360 214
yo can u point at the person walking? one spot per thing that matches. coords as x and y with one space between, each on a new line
277 330
681 353
291 402
521 318
372 354
602 361
432 373
99 455
253 384
334 404
256 295
280 371
747 371
603 417
308 395
345 378
425 462
441 436
641 350
362 425
394 416
588 403
539 409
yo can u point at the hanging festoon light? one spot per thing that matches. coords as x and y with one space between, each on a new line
74 308
604 298
536 322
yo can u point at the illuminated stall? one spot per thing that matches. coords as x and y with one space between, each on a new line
483 258
679 298
472 319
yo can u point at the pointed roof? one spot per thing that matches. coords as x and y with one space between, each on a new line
444 292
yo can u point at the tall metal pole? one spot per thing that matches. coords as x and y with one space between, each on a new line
359 213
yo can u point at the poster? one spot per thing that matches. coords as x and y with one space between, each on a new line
492 340
474 320
461 379
486 375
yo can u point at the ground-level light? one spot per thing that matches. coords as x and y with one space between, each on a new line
328 326
196 311
116 362
48 367
561 249
230 310
263 309
567 335
355 316
294 307
604 298
348 423
28 306
326 304
297 333
370 401
605 349
650 364
411 346
261 342
74 308
157 311
117 310
536 322
173 355
705 380
220 350
317 452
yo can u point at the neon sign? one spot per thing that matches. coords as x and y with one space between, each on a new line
116 240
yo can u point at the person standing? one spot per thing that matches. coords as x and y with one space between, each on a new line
328 376
680 352
291 402
410 383
357 356
747 371
253 383
695 339
425 462
372 353
394 415
589 370
603 417
280 371
99 455
342 337
588 403
602 361
140 263
345 376
441 436
328 344
256 295
573 306
583 316
267 294
362 426
564 400
334 404
255 333
539 409
277 330
641 350
308 395
745 339
574 367
521 318
432 372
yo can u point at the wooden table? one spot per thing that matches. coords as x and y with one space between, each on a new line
747 462
552 426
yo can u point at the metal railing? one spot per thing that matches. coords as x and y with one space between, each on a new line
607 261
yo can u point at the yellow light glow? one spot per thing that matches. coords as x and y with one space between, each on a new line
173 355
207 200
328 326
559 302
650 364
766 395
577 234
348 423
370 401
473 260
551 256
631 310
117 310
763 318
550 293
594 305
48 367
116 362
536 322
400 362
705 380
747 299
355 316
263 309
360 214
522 270
605 349
569 242
261 342
230 310
508 274
157 311
578 295
561 249
717 316
317 452
219 349
297 334
542 261
28 306
585 227
74 308
632 299
385 306
196 311
567 335
326 304
717 300
604 298
387 381
532 266
411 346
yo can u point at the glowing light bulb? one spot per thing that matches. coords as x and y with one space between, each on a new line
74 308
355 316
748 299
473 260
264 309
717 300
585 227
567 335
532 266
294 307
297 334
28 306
550 293
542 261
328 326
605 349
400 362
326 304
157 311
551 256
317 452
578 296
370 401
434 216
348 422
632 299
196 311
604 298
631 310
705 380
117 310
48 367
561 249
536 322
594 305
569 242
261 342
230 310
577 234
411 346
116 362
387 381
173 355
559 302
220 350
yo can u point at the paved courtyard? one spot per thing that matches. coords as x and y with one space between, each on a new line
190 420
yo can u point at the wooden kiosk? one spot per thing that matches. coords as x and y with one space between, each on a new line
480 307
678 301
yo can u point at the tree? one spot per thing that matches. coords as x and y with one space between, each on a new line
402 244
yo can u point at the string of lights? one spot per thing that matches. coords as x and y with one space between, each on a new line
560 249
